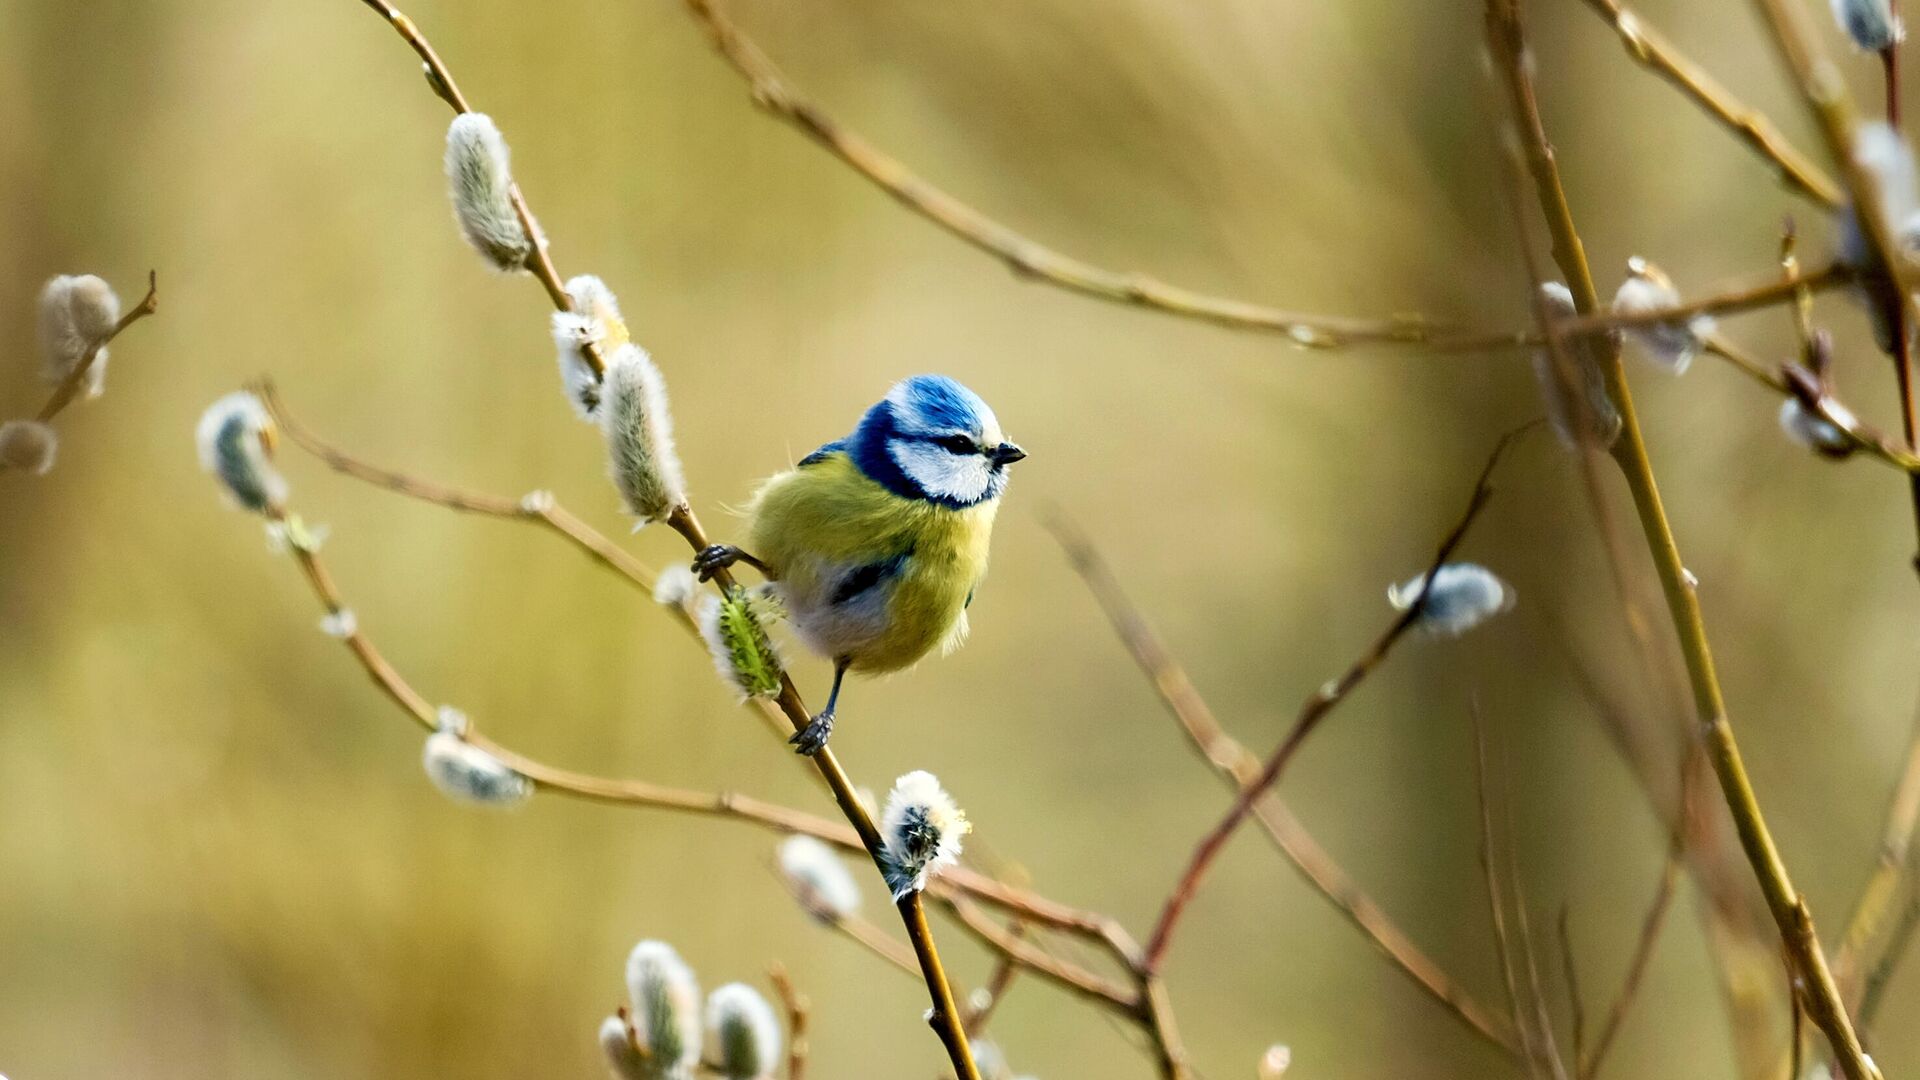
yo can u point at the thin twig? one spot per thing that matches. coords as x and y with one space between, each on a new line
1876 899
1570 974
1731 301
1241 768
1037 960
798 1009
1507 41
985 1001
1882 974
1496 900
69 387
1650 926
1316 708
1650 49
773 93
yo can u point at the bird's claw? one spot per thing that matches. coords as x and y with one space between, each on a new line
812 739
714 558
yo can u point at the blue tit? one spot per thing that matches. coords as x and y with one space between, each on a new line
875 542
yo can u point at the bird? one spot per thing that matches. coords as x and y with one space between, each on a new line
875 543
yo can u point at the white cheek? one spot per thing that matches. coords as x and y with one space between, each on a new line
960 477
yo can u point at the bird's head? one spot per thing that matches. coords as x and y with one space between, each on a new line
931 438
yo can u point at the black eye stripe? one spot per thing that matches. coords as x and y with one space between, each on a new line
959 444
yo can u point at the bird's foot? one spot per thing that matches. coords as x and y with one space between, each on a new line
715 558
812 739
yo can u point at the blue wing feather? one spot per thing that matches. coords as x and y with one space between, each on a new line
837 446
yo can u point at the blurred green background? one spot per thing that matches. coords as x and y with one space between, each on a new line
218 855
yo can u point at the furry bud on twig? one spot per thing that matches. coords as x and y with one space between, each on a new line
464 772
77 313
1870 23
675 587
235 437
639 429
1885 155
623 1055
594 321
480 182
1671 345
1816 432
921 830
28 445
666 1010
1592 412
737 638
1275 1062
744 1033
819 880
1463 596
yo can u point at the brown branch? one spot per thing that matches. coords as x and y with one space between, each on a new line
1506 37
1651 50
1316 708
1882 974
985 1001
797 1008
1496 900
1240 768
1732 301
68 387
1037 960
1650 926
1029 259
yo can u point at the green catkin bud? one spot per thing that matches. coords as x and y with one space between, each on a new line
639 429
666 1010
235 437
920 831
77 312
480 183
744 1033
28 445
734 630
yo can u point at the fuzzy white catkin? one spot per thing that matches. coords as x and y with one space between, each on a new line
232 439
1564 412
464 772
1671 346
480 183
666 1009
595 320
639 429
819 878
1275 1062
28 445
1813 431
77 311
1462 597
1870 23
921 830
624 1059
675 586
743 1032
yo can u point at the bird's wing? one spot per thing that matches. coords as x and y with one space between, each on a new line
862 578
837 446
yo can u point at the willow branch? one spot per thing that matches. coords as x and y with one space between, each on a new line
984 1002
1882 974
1316 708
1037 960
774 94
1732 301
68 387
1651 50
1240 768
1507 40
1496 902
798 1009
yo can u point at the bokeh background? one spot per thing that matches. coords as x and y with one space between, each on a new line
218 857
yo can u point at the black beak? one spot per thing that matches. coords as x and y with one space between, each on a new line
1006 454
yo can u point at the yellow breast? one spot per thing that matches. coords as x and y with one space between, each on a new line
815 525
